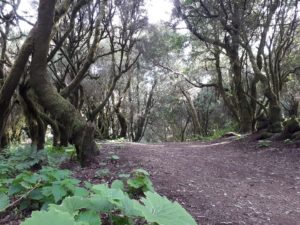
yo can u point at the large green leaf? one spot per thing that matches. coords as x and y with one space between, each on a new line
109 193
141 171
79 191
90 217
100 204
52 217
36 195
129 207
158 209
117 184
4 201
58 192
136 182
71 205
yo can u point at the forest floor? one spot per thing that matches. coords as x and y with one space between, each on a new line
225 182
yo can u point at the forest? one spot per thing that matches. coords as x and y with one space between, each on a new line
149 112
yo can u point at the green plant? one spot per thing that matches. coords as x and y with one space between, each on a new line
113 157
264 143
18 158
6 172
124 175
4 201
49 185
102 173
152 209
218 133
288 141
56 155
139 182
24 157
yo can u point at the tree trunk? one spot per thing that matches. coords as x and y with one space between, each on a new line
37 127
123 124
81 133
275 115
103 126
194 114
12 82
18 68
142 119
244 111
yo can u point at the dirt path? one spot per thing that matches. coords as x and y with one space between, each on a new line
226 182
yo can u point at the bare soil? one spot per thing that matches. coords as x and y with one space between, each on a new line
226 182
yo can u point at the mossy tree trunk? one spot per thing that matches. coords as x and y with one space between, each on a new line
81 134
37 127
193 112
17 70
142 120
275 114
12 81
233 50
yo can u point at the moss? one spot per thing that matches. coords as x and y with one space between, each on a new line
265 135
231 134
275 127
291 126
296 136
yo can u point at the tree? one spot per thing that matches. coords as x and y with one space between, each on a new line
235 26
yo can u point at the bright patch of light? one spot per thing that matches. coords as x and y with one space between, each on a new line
159 10
28 10
7 8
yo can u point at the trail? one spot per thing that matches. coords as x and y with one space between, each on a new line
225 182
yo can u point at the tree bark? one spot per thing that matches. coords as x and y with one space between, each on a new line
18 68
81 134
142 119
12 81
194 114
37 127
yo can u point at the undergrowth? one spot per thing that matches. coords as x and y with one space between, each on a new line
61 199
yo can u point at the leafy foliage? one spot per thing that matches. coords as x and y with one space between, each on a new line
122 209
56 155
47 186
140 182
158 209
113 157
102 173
23 157
4 201
264 143
50 218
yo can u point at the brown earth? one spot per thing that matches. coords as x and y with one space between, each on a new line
228 182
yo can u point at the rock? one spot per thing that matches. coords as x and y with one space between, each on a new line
277 137
296 136
262 122
231 134
265 135
291 126
275 127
